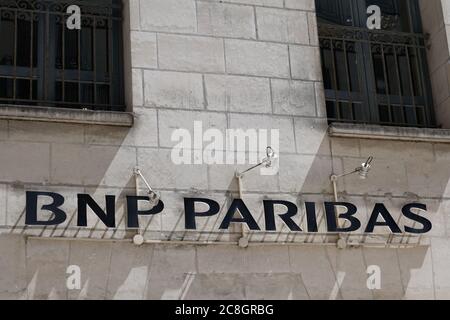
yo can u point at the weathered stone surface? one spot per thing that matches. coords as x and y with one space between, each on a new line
94 260
305 63
268 3
92 165
45 132
143 50
25 161
168 15
283 124
293 97
172 272
257 58
129 271
282 25
307 5
190 53
3 129
238 94
176 90
46 269
13 282
169 174
171 120
221 19
144 132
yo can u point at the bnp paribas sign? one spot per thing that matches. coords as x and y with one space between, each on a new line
415 214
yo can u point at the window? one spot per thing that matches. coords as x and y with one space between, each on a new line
43 63
374 76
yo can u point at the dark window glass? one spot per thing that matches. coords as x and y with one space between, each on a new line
374 76
45 63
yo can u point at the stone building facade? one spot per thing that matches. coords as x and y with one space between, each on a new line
232 64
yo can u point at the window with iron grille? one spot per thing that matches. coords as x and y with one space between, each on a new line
374 76
43 63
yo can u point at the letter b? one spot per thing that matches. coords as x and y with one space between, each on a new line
31 209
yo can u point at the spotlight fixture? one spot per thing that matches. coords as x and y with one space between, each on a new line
363 172
365 168
267 162
154 197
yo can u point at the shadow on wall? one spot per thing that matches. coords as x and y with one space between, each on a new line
36 269
104 164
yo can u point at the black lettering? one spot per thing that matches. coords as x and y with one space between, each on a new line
31 218
269 212
191 214
311 217
380 210
330 210
133 211
108 217
239 205
427 225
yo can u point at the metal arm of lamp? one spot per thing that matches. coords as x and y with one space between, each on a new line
267 162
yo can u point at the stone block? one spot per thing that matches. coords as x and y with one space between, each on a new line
92 165
47 263
282 25
350 268
275 287
171 120
190 53
172 272
137 87
216 287
257 58
175 90
312 136
226 20
3 129
305 63
416 266
293 98
306 174
168 15
391 280
267 3
129 271
143 50
93 258
13 282
261 122
162 172
306 5
238 94
221 260
135 16
144 132
45 132
24 161
312 264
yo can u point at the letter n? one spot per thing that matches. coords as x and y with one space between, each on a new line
108 217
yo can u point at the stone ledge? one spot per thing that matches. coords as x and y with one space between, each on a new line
377 132
50 114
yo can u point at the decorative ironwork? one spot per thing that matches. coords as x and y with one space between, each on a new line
44 63
376 76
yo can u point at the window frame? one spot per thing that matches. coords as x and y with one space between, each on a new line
46 72
370 99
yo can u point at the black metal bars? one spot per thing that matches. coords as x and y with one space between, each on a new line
44 63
